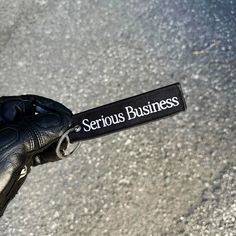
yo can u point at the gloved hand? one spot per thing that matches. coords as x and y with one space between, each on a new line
30 127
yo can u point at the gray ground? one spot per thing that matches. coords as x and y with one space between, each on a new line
173 177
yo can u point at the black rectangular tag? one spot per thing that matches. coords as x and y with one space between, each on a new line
129 112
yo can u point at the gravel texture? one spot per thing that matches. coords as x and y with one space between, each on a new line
172 177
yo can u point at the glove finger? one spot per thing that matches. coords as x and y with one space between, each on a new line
48 155
43 105
13 108
46 129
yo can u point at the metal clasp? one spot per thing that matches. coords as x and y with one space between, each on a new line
64 153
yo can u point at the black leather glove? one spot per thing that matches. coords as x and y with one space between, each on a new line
30 127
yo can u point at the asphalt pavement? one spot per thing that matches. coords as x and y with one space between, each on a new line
176 176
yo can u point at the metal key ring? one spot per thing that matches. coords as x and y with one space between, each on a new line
62 153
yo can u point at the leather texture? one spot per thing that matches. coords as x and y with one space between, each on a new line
30 127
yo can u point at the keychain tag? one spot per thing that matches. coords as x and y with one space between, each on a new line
129 112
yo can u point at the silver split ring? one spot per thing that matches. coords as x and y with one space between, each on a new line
64 153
